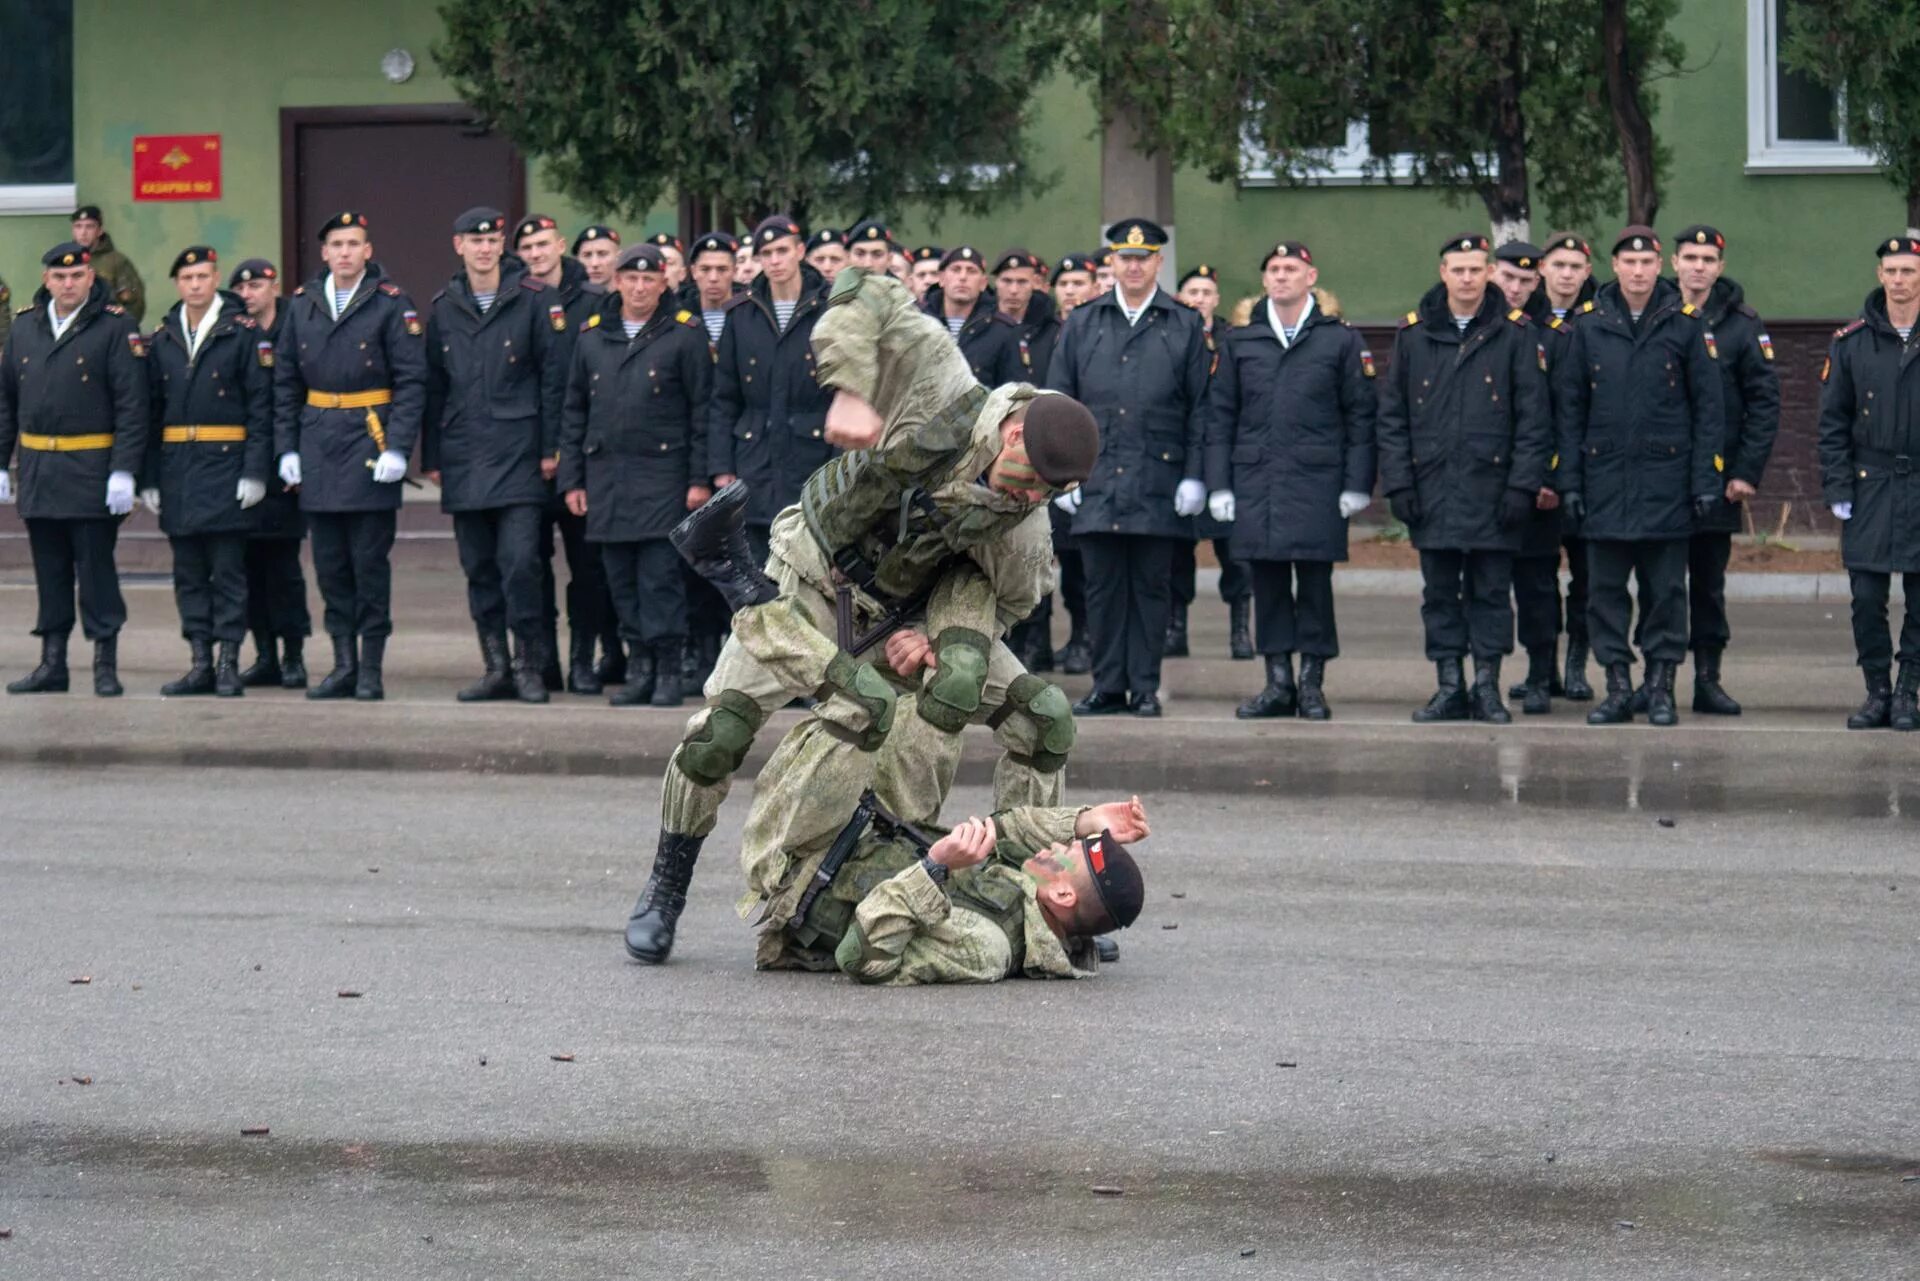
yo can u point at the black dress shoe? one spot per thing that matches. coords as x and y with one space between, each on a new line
1145 705
1099 704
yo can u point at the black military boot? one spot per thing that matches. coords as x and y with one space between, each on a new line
1313 702
1280 697
1617 707
714 541
1076 656
1239 638
549 655
1484 699
51 676
1536 692
1904 711
496 681
293 668
529 670
266 668
1175 644
226 670
581 678
650 926
612 667
340 682
106 668
199 676
667 675
1877 711
1709 697
1574 687
1449 701
638 688
369 686
1661 709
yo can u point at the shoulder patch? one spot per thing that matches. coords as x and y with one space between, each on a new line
1766 346
557 317
593 321
1558 322
1366 362
1412 318
115 309
1713 348
412 319
1586 306
683 316
1747 311
299 290
138 344
1688 309
244 322
532 286
1858 323
1518 317
390 289
263 351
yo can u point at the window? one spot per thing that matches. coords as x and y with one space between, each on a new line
1794 123
36 106
1348 164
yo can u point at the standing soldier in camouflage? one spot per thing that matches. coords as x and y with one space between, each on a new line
114 268
209 454
73 398
1200 290
350 385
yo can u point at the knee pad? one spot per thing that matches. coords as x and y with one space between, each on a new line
1046 707
712 754
960 677
868 690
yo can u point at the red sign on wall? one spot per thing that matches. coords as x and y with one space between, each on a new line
176 166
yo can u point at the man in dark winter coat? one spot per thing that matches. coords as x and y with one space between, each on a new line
209 453
1640 458
495 377
633 461
1465 437
1869 440
1139 361
73 398
712 271
1200 290
1019 290
964 302
350 384
1290 462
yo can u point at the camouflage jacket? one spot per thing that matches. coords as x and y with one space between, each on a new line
123 281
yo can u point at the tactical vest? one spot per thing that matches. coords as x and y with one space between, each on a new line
997 898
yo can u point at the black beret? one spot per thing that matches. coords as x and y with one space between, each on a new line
533 225
1074 262
88 212
1701 234
253 269
598 231
1897 245
480 221
827 236
1062 438
640 257
1466 242
772 229
1104 257
346 218
716 242
961 253
1116 878
666 239
1136 236
1204 271
1519 253
66 254
1018 258
1288 249
190 256
871 229
1637 238
1567 240
928 253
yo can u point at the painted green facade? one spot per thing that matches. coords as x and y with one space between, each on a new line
1374 244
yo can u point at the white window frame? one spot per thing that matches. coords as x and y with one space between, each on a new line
1352 165
38 198
1765 152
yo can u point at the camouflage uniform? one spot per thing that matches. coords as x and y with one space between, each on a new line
122 279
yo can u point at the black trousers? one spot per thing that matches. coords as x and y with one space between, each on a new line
1235 584
1129 599
648 592
1536 596
1293 607
1465 603
70 552
500 554
1661 566
1707 557
589 607
1872 639
210 585
276 588
351 561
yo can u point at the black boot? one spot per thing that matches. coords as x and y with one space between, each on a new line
529 670
369 686
1637 704
639 684
339 682
293 668
1239 638
1313 702
1076 656
1575 687
1449 701
1659 688
51 676
581 678
650 925
1616 708
1175 644
1485 698
1280 697
226 671
1101 703
495 680
266 662
106 668
1904 712
1877 711
713 540
666 674
1536 692
1708 695
199 677
612 667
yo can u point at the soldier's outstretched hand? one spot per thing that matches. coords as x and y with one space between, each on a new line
1127 820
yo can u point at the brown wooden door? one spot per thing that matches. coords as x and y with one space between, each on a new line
411 170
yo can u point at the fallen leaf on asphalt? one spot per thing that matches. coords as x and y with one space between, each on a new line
1170 925
1666 822
82 981
1247 1253
561 1058
1628 1224
348 994
1177 895
1107 1189
1286 1063
483 1062
83 1080
254 1131
6 1234
373 869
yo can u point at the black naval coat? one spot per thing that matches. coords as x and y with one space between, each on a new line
1642 425
92 381
495 383
1870 440
377 344
1464 418
1293 429
632 433
1204 525
768 414
1749 395
278 514
1146 385
1545 530
990 339
228 383
1039 332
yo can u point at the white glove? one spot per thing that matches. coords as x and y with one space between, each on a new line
1220 505
120 493
250 492
289 469
389 468
1843 511
1068 502
1353 502
151 497
6 486
1189 498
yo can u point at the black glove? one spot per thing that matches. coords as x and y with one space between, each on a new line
1405 505
1515 507
1703 505
1574 506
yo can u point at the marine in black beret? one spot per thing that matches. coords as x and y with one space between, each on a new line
252 269
191 256
1465 242
1701 234
343 221
773 228
480 221
597 231
67 253
1520 253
